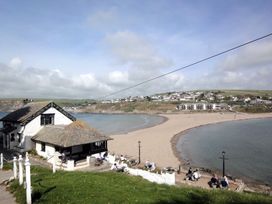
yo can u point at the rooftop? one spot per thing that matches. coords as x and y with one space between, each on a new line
76 133
32 110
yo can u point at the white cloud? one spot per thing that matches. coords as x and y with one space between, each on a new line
253 56
104 19
129 48
137 54
15 62
249 68
118 77
34 82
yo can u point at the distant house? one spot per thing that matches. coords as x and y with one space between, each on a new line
202 106
48 129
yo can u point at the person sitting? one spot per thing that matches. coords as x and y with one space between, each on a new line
196 175
214 182
224 182
105 155
122 158
148 165
98 161
114 167
63 158
189 174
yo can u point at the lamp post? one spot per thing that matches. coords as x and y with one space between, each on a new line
223 158
139 146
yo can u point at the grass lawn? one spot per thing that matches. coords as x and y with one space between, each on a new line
110 187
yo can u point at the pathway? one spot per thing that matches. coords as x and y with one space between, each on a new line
5 196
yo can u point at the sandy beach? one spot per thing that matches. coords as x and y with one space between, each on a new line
156 141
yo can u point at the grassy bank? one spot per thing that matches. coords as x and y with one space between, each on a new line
84 187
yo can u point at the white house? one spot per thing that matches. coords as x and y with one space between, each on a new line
202 106
47 128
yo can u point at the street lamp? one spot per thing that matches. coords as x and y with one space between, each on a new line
223 158
139 146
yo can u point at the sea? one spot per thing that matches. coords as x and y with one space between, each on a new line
111 124
247 145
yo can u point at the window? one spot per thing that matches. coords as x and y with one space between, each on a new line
12 138
19 137
43 147
47 119
98 144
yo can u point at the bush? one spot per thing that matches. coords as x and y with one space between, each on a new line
33 152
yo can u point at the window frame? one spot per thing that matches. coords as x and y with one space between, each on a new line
43 147
47 119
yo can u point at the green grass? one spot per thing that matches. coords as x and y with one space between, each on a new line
255 109
246 92
7 166
86 187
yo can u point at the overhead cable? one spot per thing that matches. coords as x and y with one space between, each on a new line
187 66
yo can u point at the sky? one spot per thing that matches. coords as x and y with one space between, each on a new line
89 49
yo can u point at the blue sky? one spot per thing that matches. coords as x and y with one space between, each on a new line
86 49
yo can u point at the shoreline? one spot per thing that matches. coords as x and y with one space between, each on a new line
158 142
148 125
185 164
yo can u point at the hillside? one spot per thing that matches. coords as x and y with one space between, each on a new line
109 187
241 100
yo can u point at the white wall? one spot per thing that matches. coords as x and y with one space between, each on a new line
166 178
49 150
34 126
59 119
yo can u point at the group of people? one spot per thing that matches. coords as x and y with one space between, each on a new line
192 175
215 182
120 164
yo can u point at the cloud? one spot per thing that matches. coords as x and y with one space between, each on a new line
118 78
46 83
137 54
104 19
15 62
251 57
248 68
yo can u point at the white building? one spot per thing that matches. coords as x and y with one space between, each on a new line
47 128
202 106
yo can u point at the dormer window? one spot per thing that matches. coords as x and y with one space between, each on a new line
47 119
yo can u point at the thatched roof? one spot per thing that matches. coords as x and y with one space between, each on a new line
76 133
32 110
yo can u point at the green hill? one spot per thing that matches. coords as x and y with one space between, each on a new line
110 187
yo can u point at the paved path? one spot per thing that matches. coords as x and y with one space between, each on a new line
5 196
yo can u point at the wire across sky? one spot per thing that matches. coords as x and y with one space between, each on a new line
187 66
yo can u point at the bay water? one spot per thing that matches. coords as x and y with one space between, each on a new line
247 143
111 124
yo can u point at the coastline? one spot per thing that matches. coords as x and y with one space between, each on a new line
158 142
144 126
